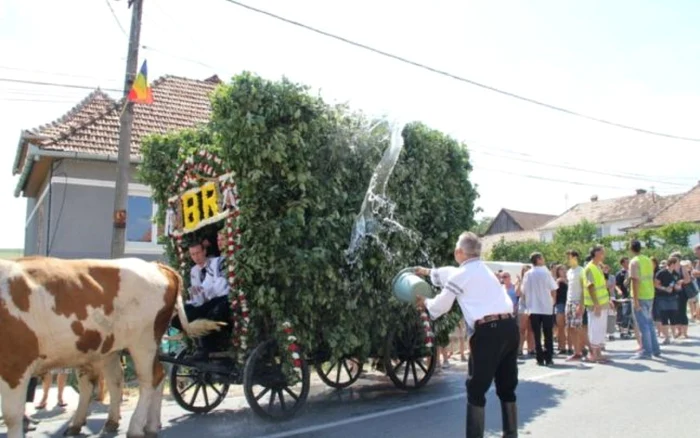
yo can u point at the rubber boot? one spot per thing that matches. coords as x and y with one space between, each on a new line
509 415
475 421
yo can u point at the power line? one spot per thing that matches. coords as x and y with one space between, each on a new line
457 77
488 149
181 58
44 72
590 171
543 178
19 99
56 84
116 19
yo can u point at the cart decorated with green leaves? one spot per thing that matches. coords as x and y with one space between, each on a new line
283 174
274 376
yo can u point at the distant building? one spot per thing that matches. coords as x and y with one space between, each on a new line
507 221
611 216
685 209
67 171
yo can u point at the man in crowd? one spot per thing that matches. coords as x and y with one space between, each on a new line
540 290
493 346
208 295
625 310
574 305
597 301
642 285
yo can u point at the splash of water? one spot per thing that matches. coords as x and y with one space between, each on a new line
377 211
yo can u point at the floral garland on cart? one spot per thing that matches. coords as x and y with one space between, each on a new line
206 166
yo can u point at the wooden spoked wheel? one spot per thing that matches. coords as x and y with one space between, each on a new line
270 392
339 374
408 362
195 390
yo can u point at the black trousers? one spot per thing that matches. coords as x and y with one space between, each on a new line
31 389
493 356
682 315
539 324
216 309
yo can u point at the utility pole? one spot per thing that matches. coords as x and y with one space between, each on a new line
121 192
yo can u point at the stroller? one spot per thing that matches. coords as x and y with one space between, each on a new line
625 320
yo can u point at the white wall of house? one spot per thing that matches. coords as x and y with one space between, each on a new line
546 235
605 229
694 239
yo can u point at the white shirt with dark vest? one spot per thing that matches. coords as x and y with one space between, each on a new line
475 287
211 278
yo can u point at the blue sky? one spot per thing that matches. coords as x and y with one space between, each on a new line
633 62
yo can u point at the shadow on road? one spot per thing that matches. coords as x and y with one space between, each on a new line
534 398
679 353
680 364
636 367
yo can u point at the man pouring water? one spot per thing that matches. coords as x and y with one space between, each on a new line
487 309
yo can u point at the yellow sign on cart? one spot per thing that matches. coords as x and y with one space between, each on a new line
199 206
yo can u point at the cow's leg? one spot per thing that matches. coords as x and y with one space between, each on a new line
13 400
153 422
143 356
114 378
87 378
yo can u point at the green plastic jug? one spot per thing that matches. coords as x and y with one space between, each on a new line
407 286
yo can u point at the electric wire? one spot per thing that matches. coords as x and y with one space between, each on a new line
457 77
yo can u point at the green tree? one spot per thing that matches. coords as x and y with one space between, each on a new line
582 232
658 243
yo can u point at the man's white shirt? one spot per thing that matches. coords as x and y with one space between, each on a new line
475 287
215 283
575 292
538 285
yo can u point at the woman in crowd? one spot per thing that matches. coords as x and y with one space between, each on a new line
681 328
560 308
524 315
61 378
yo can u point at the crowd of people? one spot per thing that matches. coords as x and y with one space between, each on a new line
584 300
566 303
563 329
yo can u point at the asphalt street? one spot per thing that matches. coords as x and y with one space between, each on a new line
648 398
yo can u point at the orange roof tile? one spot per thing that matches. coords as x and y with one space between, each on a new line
686 209
92 106
179 103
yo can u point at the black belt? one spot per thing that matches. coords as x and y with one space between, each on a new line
492 318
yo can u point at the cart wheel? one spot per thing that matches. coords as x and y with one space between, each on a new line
267 388
194 390
407 361
340 374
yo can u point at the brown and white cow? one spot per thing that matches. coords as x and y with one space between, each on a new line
80 314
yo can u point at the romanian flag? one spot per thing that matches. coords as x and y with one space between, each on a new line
140 91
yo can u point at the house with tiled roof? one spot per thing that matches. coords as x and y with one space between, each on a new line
513 226
507 221
612 216
67 170
685 209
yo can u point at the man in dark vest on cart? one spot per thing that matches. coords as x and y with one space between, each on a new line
209 290
488 312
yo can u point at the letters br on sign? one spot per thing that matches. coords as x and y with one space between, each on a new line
200 206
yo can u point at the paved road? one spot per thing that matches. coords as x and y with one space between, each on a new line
627 398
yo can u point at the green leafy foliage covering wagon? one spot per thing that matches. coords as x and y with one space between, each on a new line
301 169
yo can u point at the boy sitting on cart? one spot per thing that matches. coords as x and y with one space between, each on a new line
209 291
